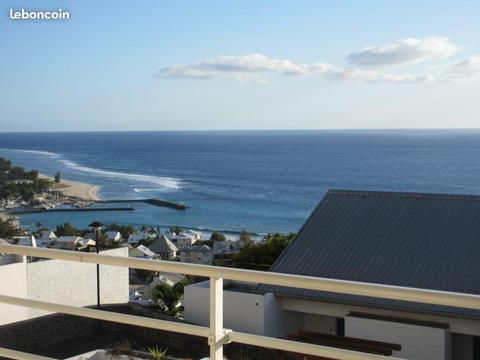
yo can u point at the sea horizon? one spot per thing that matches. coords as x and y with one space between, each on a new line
266 130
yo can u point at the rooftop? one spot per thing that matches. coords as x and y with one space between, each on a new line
428 241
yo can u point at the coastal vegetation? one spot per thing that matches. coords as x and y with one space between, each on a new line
17 184
245 237
9 229
67 229
176 229
217 236
261 255
167 298
124 230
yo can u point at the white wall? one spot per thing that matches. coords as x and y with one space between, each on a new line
252 313
61 282
457 325
418 342
288 315
241 311
13 280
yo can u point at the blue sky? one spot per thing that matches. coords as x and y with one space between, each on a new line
202 65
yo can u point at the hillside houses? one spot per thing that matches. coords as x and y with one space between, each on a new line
185 239
136 237
113 236
226 247
199 254
165 248
186 246
46 236
141 251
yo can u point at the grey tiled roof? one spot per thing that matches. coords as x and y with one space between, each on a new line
162 245
425 241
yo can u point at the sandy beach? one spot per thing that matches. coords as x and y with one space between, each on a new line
87 192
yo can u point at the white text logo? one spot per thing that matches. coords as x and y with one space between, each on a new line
39 15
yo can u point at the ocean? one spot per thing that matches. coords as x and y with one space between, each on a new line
259 181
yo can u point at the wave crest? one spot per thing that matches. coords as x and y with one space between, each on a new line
166 182
38 152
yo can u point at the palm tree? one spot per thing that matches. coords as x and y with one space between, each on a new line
167 298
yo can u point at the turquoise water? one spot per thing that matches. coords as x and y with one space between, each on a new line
259 181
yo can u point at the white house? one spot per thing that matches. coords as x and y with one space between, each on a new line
184 240
136 237
401 239
197 254
193 234
82 242
31 240
163 247
46 236
67 242
141 251
227 247
113 236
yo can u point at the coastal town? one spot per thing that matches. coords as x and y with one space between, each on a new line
146 242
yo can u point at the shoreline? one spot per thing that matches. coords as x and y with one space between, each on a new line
69 188
75 189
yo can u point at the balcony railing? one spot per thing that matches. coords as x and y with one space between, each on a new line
216 334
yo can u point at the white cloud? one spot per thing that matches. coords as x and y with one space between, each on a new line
251 68
468 69
237 67
375 76
403 51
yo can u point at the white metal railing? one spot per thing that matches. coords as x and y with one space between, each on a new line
216 334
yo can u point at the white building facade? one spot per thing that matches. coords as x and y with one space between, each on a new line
421 336
62 282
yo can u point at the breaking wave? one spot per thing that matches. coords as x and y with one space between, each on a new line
38 152
166 182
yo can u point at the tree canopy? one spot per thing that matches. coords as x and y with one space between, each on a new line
176 229
67 229
124 230
261 255
245 237
17 183
8 228
167 298
217 236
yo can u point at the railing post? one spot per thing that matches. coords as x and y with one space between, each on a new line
217 337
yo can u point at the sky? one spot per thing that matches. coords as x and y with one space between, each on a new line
227 65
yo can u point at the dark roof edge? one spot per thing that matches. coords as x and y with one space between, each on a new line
385 307
413 195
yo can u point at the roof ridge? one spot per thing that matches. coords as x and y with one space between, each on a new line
414 195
